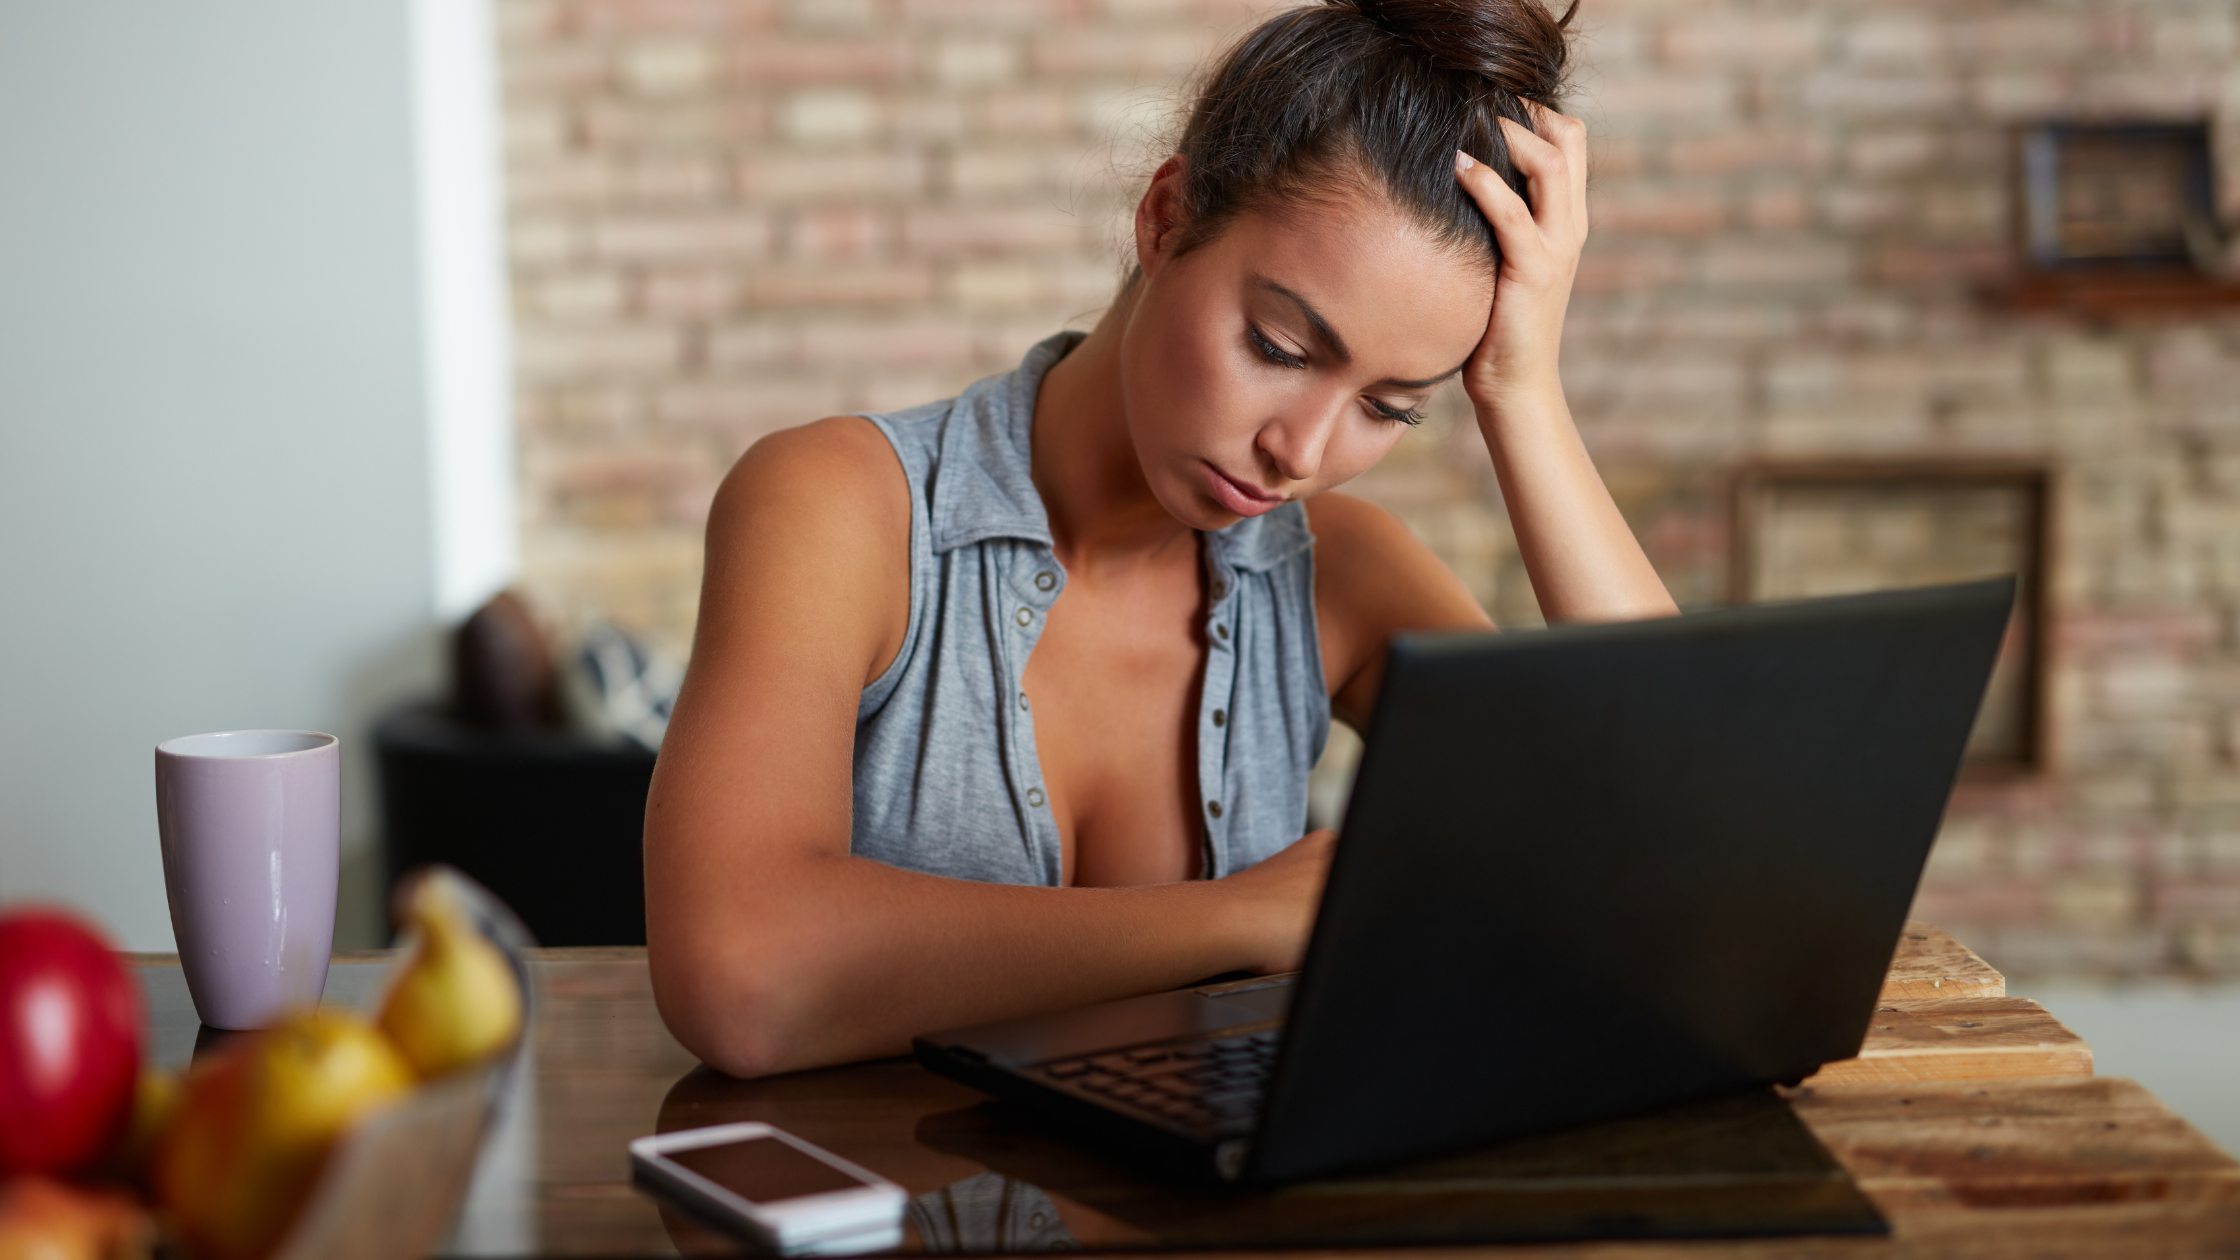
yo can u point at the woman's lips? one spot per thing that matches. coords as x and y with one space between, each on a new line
1241 497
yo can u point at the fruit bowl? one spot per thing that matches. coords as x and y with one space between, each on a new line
392 1185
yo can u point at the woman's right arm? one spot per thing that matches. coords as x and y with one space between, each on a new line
771 947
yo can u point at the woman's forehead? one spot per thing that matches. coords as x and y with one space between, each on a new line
1372 271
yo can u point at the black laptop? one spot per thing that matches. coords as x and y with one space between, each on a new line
1585 872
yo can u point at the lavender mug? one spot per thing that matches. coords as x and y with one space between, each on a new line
251 823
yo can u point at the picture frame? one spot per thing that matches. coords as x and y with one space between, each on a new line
1800 529
2116 196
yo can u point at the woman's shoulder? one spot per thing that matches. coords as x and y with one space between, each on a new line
833 485
815 520
1372 578
840 465
1348 531
1368 559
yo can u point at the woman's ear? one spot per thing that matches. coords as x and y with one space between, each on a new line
1159 216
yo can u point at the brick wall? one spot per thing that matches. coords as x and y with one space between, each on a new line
729 216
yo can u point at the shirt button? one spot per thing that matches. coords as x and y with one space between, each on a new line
1034 797
1044 580
1223 631
1220 589
1214 808
1220 717
1026 618
1022 699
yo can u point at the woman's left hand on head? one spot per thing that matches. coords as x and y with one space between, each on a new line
1540 246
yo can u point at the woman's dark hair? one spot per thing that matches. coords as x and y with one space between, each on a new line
1317 101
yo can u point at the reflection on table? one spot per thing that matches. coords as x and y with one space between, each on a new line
1972 1122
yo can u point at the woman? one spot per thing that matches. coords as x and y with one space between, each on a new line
1006 703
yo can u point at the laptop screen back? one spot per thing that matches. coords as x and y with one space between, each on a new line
1592 870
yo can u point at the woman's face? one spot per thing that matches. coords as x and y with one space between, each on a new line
1288 354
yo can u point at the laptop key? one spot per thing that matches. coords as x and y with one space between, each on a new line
1065 1070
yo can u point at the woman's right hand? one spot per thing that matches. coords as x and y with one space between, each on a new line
1275 902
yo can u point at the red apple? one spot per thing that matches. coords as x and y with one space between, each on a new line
69 1043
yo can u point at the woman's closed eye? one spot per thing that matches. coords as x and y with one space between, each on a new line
1272 352
1386 411
1281 357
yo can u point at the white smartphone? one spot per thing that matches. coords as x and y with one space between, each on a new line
774 1189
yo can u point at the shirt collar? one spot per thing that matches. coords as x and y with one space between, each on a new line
1259 543
984 485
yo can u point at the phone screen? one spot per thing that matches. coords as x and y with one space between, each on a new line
763 1169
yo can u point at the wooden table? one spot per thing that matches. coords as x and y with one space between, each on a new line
1971 1119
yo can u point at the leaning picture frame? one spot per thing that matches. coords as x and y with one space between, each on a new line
2116 195
1800 529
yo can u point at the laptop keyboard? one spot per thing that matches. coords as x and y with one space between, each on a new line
1213 1085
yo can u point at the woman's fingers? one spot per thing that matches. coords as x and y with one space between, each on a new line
1513 226
1539 245
1570 135
1553 177
1553 161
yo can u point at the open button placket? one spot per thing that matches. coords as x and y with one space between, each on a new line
1213 718
1030 579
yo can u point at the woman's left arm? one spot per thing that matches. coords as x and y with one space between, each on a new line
1583 560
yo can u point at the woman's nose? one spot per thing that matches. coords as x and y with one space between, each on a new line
1295 442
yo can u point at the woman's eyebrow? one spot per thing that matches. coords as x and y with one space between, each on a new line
1336 344
1323 332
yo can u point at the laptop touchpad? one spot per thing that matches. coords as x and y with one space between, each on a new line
1113 1025
1266 1001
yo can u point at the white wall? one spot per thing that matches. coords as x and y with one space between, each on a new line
214 453
2180 1041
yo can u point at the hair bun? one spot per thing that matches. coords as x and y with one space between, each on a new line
1518 46
1370 93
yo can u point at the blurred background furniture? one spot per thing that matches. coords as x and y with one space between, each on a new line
549 820
540 797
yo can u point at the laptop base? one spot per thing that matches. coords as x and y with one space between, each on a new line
1738 1166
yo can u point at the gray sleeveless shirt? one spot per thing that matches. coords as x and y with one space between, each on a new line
947 780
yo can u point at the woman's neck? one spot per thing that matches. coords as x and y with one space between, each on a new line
1101 509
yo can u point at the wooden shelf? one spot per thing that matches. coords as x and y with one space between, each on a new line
2115 292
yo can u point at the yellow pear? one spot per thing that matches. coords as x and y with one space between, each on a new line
456 1003
255 1121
